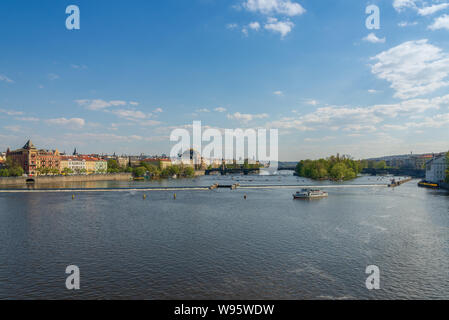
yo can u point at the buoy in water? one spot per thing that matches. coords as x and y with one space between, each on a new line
144 196
244 197
174 196
73 196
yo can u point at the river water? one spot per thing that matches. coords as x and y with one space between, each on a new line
217 245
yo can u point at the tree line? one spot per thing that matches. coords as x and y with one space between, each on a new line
335 168
11 169
152 171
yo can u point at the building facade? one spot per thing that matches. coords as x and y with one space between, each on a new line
74 163
101 166
436 170
159 162
33 160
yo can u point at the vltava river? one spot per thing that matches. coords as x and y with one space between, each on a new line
216 245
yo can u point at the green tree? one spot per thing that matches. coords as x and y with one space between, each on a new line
4 172
16 172
380 165
67 171
188 172
334 167
139 171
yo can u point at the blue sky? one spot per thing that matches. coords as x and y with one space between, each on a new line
310 68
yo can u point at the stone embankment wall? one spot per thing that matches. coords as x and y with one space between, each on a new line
57 179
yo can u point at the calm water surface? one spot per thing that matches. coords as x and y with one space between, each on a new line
216 245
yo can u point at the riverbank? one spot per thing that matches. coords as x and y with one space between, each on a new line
14 181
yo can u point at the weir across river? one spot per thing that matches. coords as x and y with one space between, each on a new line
193 188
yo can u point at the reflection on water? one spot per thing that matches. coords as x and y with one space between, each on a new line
215 244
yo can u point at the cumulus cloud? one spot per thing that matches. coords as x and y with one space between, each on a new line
400 5
404 24
232 26
281 27
99 104
425 11
373 38
311 102
220 109
413 68
358 119
71 123
269 7
158 110
245 118
254 26
420 6
278 93
129 114
440 23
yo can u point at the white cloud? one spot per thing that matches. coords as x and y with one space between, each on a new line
281 27
357 119
400 5
440 23
158 110
425 11
420 6
133 103
254 26
245 118
204 110
413 68
404 24
5 79
11 112
129 114
372 91
278 93
232 26
327 138
269 7
149 123
220 109
312 102
98 104
374 39
72 123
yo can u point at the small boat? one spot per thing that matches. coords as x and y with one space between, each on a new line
310 194
425 184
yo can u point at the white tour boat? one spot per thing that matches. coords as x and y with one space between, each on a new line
310 194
